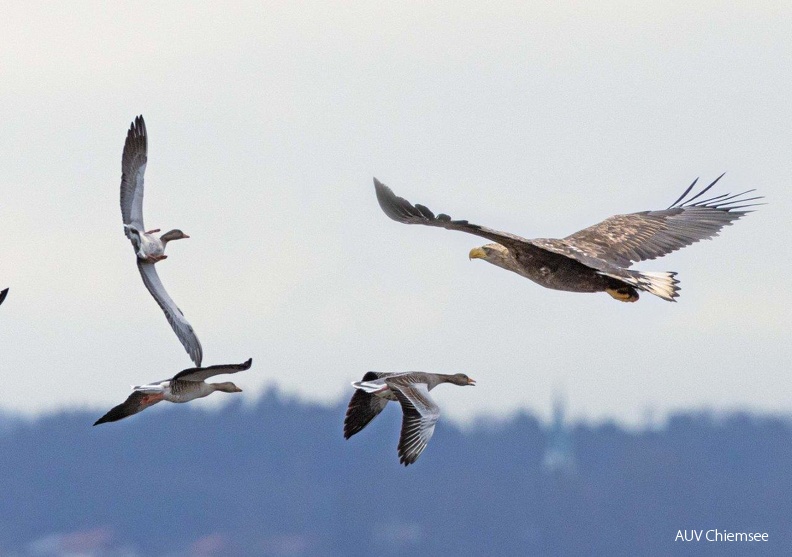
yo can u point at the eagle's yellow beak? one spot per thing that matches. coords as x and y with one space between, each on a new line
477 253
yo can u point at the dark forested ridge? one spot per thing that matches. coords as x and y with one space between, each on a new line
277 478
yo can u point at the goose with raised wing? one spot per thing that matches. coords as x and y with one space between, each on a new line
185 386
149 248
597 258
411 390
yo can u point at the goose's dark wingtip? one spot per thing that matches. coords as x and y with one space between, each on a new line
137 129
407 459
246 364
138 123
196 354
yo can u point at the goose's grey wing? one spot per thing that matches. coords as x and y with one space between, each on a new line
363 407
3 294
133 166
204 373
134 403
175 316
420 415
401 210
627 239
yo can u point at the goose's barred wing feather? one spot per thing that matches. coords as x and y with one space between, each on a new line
420 414
133 166
626 239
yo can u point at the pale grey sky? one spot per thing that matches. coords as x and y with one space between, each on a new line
267 122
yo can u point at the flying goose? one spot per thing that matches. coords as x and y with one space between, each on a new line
411 389
149 248
597 258
185 386
3 294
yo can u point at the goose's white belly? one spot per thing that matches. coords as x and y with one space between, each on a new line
150 247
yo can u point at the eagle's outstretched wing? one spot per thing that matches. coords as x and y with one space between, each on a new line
627 239
401 210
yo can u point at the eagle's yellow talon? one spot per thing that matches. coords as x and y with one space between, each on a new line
623 294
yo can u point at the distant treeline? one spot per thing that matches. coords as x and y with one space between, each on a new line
277 478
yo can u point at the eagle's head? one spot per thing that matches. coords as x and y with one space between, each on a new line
494 253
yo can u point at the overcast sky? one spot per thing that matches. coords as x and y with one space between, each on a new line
267 122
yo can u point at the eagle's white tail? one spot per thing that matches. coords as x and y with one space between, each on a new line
662 284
